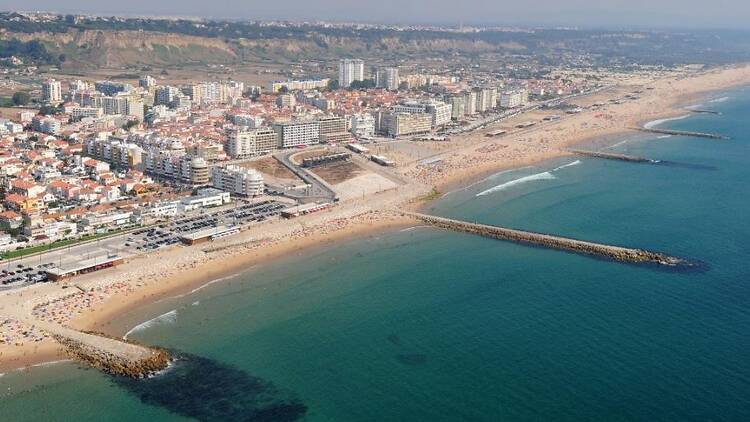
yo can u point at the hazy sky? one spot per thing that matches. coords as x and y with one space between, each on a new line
654 13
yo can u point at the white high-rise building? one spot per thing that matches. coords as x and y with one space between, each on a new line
350 70
165 95
147 82
388 78
52 92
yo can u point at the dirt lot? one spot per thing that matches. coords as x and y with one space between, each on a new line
271 167
338 172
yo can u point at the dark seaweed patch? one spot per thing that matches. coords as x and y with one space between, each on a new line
395 339
208 390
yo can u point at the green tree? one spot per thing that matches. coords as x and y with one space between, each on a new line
130 124
46 110
21 98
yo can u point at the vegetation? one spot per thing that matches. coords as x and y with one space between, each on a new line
21 98
31 51
130 124
56 245
365 84
432 195
47 110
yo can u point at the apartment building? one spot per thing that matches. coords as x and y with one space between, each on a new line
401 124
351 70
333 129
237 180
244 142
300 133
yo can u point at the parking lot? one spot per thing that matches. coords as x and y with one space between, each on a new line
31 269
22 274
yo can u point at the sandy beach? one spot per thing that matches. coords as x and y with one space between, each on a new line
99 299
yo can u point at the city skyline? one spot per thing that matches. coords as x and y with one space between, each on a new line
724 14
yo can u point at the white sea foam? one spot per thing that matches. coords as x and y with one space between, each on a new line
40 365
203 286
539 176
218 280
623 142
196 303
165 318
652 124
574 163
719 100
408 229
488 178
663 136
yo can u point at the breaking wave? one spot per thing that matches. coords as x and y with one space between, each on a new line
574 163
654 123
720 100
539 176
165 318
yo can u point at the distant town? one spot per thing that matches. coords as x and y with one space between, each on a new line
147 163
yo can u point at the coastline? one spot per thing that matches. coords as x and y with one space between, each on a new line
195 268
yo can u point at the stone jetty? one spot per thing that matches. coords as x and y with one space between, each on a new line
111 355
612 156
680 133
701 111
615 253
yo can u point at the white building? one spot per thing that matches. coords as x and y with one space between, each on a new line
458 106
470 103
388 78
303 85
237 180
76 111
206 197
165 95
244 142
147 82
52 92
438 110
363 125
285 101
513 99
248 120
294 134
350 70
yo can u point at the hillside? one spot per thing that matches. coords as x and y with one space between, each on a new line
117 42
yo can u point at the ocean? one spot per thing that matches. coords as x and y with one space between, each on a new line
427 325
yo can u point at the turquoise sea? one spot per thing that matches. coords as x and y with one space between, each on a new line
427 325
